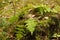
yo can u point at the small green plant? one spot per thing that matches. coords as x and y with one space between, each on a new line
43 21
31 25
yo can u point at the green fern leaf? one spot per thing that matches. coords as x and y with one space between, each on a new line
31 24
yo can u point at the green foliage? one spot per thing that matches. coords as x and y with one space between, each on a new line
13 19
3 25
44 23
20 31
45 9
3 22
56 35
31 24
26 25
38 37
20 24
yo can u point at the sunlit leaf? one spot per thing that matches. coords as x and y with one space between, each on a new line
31 24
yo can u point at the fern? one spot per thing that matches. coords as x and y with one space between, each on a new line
20 32
31 24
